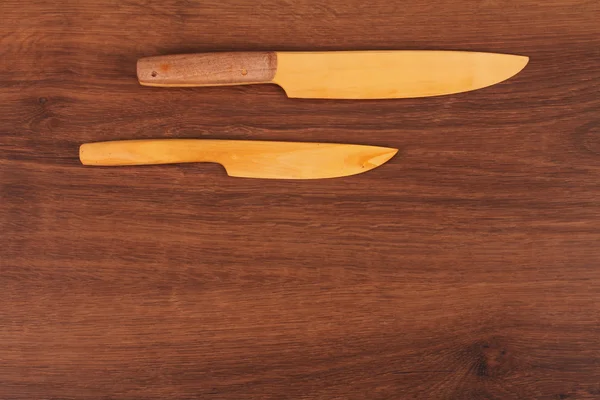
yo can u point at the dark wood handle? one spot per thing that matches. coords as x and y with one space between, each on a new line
207 69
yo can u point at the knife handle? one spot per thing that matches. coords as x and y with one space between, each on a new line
150 152
207 69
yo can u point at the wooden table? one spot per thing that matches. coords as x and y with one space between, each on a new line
468 267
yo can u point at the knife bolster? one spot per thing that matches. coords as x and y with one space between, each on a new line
207 69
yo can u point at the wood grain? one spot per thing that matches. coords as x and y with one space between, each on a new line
243 158
351 75
210 69
467 267
391 74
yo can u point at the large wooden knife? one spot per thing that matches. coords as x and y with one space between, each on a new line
241 158
338 74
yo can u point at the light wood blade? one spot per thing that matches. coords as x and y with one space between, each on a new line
391 74
248 159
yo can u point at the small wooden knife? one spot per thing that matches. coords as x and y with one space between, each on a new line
337 74
241 158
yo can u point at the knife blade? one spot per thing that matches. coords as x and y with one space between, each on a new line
242 158
336 74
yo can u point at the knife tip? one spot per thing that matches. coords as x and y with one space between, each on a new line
381 158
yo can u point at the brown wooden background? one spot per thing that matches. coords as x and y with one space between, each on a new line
468 267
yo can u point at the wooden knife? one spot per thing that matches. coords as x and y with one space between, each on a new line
338 74
241 158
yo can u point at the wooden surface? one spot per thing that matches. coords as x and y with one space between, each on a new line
207 69
370 74
367 74
468 267
243 158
